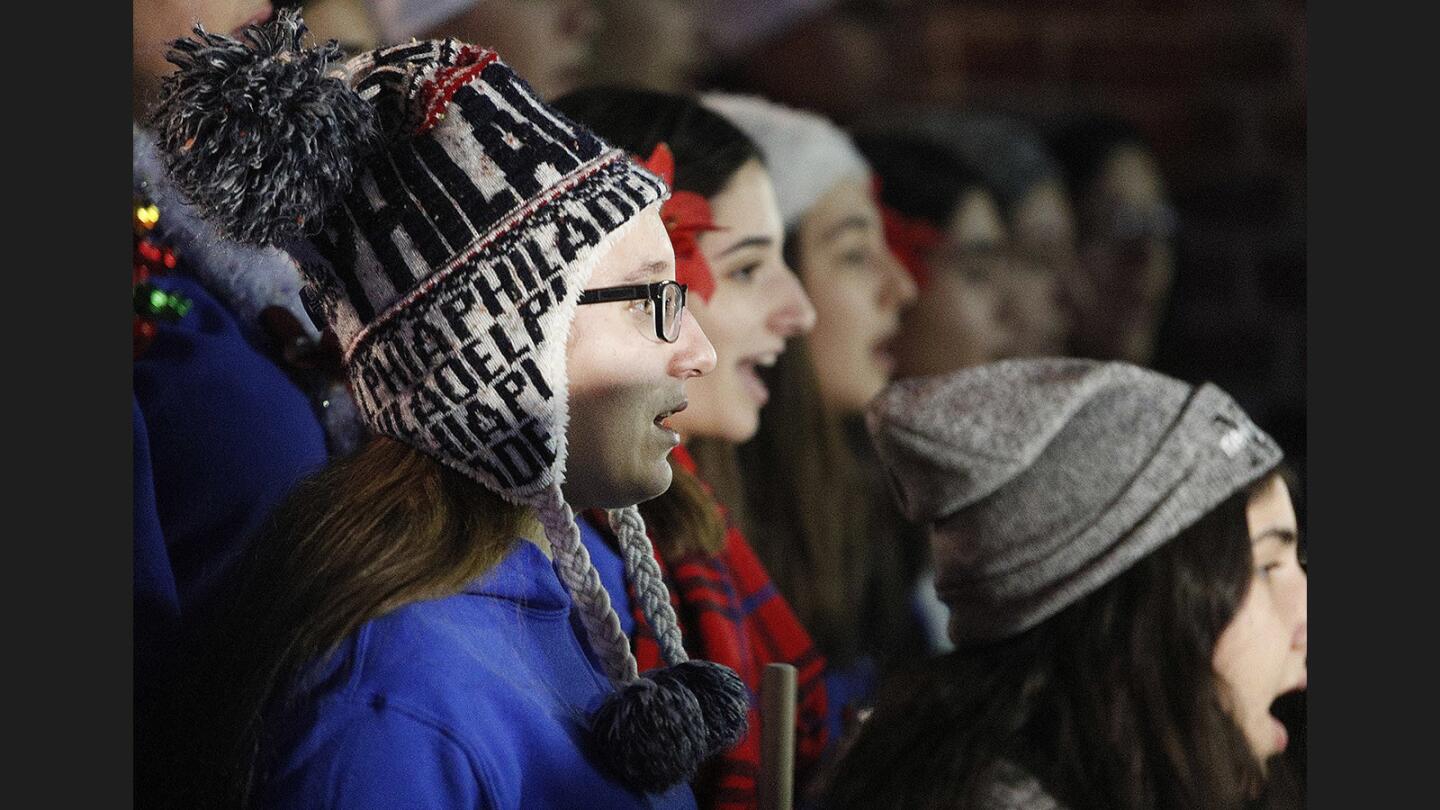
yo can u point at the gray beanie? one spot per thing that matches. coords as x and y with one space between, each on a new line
1050 477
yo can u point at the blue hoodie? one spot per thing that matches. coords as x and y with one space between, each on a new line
228 437
473 700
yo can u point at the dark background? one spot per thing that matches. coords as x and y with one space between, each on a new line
1217 86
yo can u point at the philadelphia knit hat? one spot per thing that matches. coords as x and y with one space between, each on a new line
447 221
1043 479
805 154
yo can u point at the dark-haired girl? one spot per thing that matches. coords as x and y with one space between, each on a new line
1119 556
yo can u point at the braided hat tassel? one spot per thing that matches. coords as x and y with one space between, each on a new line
656 729
724 700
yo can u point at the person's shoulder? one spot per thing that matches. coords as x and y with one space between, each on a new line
470 659
422 685
437 645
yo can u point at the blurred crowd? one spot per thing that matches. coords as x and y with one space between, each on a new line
950 444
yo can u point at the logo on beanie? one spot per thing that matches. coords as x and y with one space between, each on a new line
1241 433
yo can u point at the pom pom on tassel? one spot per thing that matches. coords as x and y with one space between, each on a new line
256 135
655 733
724 700
651 734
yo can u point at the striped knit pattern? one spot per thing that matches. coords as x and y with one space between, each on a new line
451 273
450 269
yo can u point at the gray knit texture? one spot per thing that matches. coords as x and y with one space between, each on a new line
723 698
1043 479
257 133
592 601
721 695
643 574
655 730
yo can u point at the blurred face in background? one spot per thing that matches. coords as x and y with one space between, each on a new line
654 44
547 42
1042 261
1127 264
956 322
859 290
757 305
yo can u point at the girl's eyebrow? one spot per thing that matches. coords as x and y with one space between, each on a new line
752 241
849 222
1284 535
647 271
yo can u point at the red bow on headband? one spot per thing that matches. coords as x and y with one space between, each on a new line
686 215
912 240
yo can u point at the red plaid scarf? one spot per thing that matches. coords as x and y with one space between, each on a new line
730 612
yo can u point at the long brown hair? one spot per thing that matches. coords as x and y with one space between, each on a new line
807 510
1113 702
683 519
370 533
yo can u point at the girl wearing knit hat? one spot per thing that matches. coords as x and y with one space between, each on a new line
727 235
501 285
823 186
1120 559
812 510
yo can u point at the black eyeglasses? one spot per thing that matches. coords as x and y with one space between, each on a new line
666 299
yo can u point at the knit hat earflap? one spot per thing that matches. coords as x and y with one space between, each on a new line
447 221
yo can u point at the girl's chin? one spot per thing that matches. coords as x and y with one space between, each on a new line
741 427
1270 740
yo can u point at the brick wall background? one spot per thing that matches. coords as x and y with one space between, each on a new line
1219 88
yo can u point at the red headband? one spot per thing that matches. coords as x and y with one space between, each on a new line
911 240
686 215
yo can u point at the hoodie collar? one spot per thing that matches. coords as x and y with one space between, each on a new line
525 576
